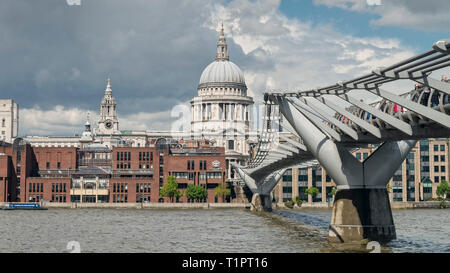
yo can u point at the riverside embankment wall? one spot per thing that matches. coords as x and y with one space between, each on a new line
144 205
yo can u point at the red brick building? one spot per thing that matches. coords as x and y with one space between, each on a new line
97 174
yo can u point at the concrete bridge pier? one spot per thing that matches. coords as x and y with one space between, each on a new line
360 214
361 208
261 202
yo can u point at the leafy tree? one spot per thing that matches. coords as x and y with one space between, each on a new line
196 192
443 189
170 189
222 190
312 191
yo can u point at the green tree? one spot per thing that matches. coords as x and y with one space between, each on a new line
443 189
222 190
170 189
313 191
196 192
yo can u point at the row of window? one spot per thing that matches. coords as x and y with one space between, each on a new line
58 165
145 166
304 178
143 187
203 176
36 187
191 165
120 187
123 165
442 158
59 198
436 148
145 156
59 187
120 198
142 198
436 179
436 169
123 156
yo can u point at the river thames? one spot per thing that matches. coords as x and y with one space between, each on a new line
222 230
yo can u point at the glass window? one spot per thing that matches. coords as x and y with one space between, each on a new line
442 148
436 158
442 168
436 168
435 148
230 144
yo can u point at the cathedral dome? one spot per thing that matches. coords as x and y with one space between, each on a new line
222 71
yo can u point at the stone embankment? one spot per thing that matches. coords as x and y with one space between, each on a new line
51 205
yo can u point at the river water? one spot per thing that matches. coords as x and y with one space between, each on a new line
184 231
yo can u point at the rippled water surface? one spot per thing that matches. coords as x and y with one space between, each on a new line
203 231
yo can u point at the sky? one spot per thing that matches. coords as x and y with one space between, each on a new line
56 57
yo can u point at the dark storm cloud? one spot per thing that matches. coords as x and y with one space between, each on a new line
55 54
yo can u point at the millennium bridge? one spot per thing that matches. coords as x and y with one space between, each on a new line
326 132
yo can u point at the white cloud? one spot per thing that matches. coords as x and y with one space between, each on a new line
61 121
415 14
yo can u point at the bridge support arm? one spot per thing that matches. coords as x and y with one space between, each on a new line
248 180
261 189
361 208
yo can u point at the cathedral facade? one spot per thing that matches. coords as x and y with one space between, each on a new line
222 110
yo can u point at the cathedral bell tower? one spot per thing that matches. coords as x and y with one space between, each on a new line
108 124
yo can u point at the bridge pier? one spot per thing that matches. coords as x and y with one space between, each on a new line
360 214
261 187
261 202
